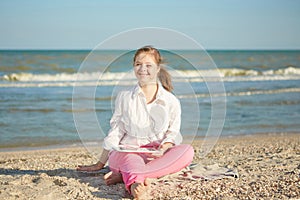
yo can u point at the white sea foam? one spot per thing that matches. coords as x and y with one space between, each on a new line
246 93
128 78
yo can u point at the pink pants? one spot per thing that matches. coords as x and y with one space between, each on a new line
135 167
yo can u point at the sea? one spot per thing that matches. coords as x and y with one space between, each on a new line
40 90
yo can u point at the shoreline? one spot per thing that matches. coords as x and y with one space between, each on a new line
267 164
186 138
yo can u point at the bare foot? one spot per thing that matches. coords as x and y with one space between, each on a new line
112 178
140 190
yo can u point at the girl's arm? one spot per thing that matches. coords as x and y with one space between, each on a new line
116 131
173 134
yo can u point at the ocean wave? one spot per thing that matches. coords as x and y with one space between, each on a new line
245 93
29 77
128 78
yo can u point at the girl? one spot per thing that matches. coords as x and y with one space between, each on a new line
148 115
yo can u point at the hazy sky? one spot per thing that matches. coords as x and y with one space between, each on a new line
216 24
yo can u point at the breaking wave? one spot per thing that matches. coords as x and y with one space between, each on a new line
245 93
127 78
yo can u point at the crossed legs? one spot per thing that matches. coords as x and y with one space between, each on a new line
135 168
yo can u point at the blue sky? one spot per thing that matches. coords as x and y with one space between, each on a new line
215 24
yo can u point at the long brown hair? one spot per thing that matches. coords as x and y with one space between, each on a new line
163 75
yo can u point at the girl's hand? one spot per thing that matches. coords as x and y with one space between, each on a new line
90 168
165 146
162 149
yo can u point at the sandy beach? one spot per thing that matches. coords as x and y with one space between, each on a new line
268 168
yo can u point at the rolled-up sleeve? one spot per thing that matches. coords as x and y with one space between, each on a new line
115 133
173 134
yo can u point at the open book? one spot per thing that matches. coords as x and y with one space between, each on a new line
136 149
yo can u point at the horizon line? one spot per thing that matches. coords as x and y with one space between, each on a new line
209 49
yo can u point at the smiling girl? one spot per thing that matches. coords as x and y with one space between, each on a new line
148 115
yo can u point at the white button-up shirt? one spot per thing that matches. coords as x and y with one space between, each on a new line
137 123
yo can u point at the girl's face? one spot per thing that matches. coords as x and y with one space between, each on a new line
146 69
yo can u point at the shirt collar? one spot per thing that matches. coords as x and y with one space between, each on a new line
138 90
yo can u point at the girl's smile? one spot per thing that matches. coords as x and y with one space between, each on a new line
146 69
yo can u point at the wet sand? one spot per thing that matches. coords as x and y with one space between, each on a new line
268 167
